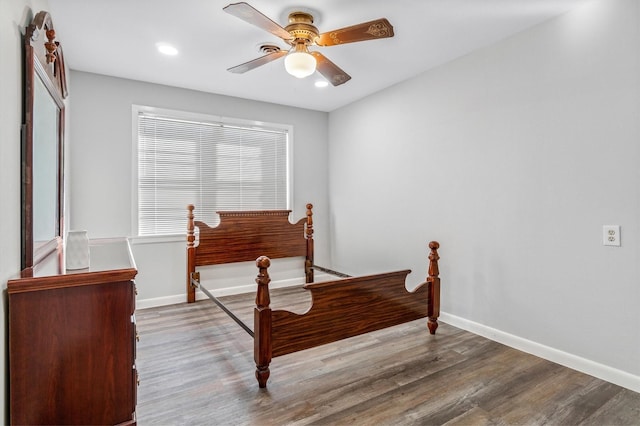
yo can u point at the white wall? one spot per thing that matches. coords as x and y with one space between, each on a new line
513 157
101 163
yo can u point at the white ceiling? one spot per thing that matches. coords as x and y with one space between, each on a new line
118 38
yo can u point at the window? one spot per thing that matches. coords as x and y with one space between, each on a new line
214 163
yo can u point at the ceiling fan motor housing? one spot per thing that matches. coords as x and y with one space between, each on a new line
301 28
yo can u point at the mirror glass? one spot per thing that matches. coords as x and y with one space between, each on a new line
45 166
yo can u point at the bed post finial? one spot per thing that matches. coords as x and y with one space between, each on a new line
190 225
262 350
308 265
191 254
433 280
262 297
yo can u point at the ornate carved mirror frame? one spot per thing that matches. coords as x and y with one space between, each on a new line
42 142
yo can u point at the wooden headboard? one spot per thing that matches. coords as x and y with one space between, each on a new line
246 235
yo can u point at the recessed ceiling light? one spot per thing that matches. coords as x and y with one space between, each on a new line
321 83
166 49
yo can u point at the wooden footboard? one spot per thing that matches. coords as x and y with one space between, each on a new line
346 308
341 309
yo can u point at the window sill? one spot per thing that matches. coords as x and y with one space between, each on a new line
158 239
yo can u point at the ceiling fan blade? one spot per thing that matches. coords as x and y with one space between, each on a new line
372 30
329 70
248 14
255 63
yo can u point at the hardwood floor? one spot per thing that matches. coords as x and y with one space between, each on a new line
196 368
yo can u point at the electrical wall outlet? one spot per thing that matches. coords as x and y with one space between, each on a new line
611 235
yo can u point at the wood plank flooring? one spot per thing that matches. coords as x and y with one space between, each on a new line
196 368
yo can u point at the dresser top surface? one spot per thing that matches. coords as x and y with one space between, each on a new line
110 260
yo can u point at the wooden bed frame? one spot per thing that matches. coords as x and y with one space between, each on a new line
339 309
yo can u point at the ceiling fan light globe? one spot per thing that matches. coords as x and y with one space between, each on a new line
300 64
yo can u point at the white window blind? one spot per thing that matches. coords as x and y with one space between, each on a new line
215 166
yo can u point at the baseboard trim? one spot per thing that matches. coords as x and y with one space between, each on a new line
601 371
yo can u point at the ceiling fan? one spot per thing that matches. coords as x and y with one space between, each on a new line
300 34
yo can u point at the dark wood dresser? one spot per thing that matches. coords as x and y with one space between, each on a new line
72 340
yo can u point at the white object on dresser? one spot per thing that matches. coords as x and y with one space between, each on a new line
77 250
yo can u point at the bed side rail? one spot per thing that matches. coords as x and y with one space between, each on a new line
195 282
330 272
